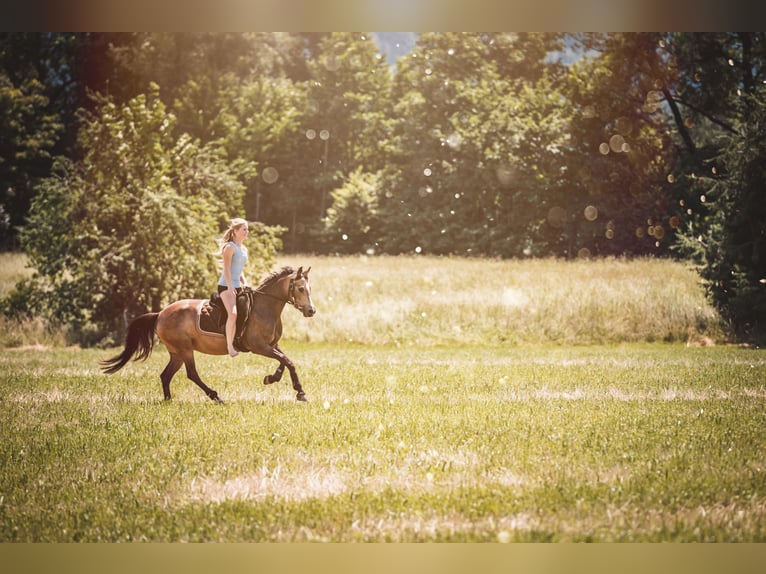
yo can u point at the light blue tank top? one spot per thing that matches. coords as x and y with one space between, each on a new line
238 261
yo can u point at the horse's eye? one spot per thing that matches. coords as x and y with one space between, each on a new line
301 289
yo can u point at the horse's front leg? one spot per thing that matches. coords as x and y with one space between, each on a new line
277 353
276 377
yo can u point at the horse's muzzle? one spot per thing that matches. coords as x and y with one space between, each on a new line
308 311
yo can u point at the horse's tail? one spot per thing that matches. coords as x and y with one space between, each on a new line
139 341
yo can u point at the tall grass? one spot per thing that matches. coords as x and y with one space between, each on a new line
28 332
13 268
432 301
425 300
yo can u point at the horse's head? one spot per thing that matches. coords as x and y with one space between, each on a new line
300 293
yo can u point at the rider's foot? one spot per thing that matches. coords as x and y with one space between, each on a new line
233 353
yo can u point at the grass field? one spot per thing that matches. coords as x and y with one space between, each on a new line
621 443
450 400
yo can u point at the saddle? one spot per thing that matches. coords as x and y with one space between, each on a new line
213 315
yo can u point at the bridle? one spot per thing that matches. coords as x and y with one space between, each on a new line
290 295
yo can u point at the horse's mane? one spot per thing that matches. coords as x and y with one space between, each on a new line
275 276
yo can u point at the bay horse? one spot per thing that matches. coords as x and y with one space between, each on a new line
177 326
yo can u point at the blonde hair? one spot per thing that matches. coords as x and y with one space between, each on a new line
235 224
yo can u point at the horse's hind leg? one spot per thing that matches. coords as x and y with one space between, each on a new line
167 375
191 372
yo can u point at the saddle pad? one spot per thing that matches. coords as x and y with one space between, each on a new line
211 316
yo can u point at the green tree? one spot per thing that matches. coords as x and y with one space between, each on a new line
259 120
719 104
28 133
132 226
476 144
621 158
342 127
353 221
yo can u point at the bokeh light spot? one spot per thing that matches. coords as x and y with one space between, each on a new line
454 141
270 175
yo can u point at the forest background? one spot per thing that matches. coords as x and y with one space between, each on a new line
123 155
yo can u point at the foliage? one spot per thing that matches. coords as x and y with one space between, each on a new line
342 130
131 227
353 218
28 134
722 170
468 154
618 163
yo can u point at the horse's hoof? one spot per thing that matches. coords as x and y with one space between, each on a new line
301 397
218 400
267 380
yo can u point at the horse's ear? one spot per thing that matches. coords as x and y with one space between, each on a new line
306 272
299 273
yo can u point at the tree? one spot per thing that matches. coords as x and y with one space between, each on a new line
259 120
353 221
132 226
28 133
339 129
621 158
720 104
473 141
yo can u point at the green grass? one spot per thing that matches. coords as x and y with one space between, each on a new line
635 442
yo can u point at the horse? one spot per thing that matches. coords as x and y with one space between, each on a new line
177 326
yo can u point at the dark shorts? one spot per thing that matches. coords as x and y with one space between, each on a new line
222 288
